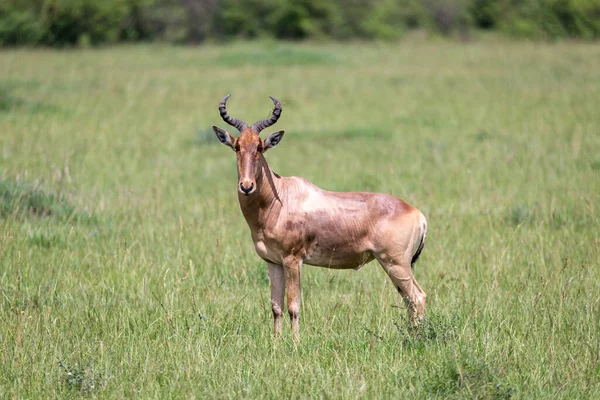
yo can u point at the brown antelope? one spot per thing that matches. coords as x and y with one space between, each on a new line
293 222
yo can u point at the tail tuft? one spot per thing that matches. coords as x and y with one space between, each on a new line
421 244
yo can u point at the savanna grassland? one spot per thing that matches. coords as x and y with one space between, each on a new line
127 269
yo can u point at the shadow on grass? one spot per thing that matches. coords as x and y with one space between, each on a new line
20 200
83 379
276 56
473 378
11 102
433 329
565 216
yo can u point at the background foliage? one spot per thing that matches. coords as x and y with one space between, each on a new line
69 22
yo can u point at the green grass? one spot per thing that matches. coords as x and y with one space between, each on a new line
274 54
140 279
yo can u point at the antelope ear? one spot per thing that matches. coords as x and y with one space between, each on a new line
223 136
273 139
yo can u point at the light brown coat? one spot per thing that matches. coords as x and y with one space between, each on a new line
293 222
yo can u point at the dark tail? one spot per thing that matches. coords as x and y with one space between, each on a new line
421 245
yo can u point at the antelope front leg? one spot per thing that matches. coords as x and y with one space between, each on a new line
277 279
293 267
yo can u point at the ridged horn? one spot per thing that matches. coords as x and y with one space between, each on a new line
239 124
265 123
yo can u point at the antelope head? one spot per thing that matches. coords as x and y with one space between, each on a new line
249 147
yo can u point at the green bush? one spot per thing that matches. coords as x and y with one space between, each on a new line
284 19
19 26
486 13
384 21
79 21
71 22
163 20
542 19
137 25
241 18
572 18
299 19
448 16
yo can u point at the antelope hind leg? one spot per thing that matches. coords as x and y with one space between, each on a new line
414 297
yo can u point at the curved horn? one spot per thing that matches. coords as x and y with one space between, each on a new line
265 123
239 124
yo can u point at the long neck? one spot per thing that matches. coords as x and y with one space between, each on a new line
264 201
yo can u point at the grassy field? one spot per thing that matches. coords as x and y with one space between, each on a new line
127 269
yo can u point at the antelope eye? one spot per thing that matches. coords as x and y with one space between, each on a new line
259 148
237 148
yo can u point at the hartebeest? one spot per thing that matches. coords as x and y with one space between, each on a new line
293 222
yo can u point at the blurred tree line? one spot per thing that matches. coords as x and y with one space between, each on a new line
82 22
